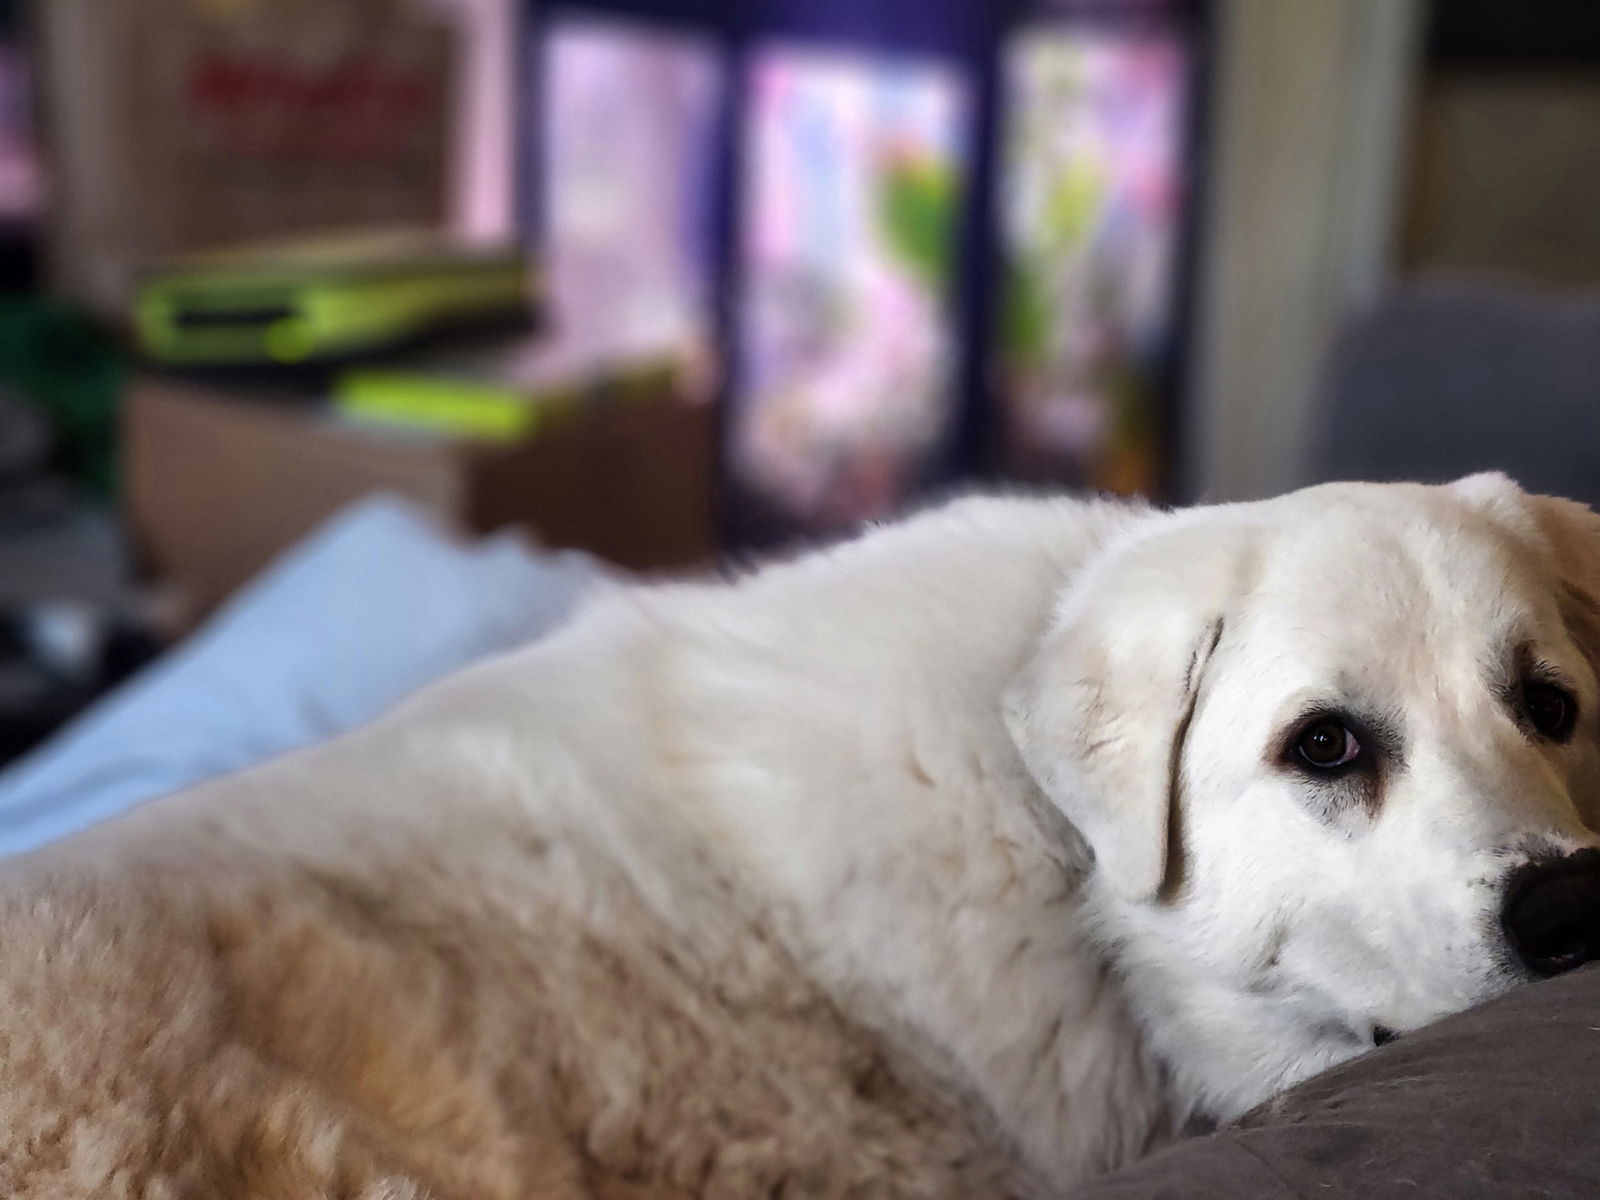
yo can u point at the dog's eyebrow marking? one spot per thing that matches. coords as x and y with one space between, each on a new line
1172 876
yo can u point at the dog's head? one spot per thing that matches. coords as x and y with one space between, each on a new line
1334 756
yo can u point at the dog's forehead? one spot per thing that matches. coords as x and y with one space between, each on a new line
1389 568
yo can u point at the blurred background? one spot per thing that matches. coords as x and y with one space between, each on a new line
659 283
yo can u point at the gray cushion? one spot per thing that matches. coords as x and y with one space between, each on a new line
1439 382
1503 1100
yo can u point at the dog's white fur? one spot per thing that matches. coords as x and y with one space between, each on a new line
962 858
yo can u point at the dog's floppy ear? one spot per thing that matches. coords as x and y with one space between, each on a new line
1572 532
1101 711
1567 532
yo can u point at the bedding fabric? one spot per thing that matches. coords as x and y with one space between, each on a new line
372 606
1498 1101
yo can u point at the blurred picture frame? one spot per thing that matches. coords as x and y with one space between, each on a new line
854 171
1093 196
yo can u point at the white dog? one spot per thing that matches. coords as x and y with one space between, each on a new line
968 858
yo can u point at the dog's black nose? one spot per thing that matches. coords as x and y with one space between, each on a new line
1552 913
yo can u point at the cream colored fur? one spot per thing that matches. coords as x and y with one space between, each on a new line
746 890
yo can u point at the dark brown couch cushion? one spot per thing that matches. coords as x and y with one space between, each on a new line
1500 1101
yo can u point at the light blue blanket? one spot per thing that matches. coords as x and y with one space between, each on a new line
369 608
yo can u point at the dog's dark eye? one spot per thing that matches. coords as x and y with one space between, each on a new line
1326 743
1550 710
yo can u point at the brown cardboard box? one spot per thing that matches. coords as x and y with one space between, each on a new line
220 482
183 125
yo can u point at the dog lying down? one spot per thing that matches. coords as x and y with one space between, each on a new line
969 858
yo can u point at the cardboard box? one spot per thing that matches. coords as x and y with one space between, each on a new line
219 482
181 125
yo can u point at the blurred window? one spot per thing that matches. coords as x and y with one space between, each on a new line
1091 203
629 141
853 172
